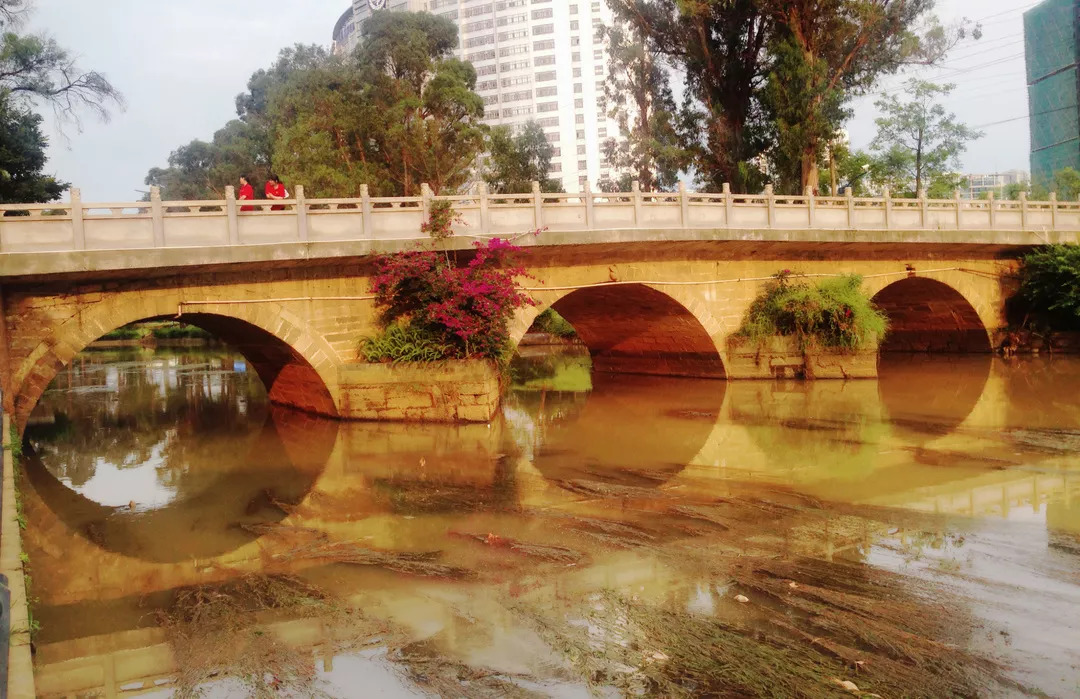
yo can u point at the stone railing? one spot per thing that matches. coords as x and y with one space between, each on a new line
76 225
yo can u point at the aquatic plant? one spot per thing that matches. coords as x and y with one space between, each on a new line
835 313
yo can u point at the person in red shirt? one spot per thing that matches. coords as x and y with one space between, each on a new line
246 193
276 190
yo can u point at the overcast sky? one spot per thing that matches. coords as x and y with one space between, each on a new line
180 65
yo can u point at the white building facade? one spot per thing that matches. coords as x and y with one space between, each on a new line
535 60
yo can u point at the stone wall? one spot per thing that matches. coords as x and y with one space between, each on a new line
453 391
781 358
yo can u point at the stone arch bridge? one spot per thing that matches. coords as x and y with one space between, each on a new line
654 284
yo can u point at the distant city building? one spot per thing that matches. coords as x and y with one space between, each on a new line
535 60
1050 32
978 185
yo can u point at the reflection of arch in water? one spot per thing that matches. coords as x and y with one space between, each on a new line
636 329
630 430
930 396
295 365
926 315
206 523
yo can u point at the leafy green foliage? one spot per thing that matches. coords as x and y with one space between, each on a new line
517 159
550 322
1050 286
202 170
37 72
919 140
23 158
403 342
638 95
835 313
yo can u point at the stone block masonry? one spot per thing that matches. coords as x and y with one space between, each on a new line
781 358
451 391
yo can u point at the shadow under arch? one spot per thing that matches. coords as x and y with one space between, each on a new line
207 522
926 315
629 430
635 329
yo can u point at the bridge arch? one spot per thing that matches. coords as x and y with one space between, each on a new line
637 329
930 315
296 365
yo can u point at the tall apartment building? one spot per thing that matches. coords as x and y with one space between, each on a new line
535 60
1051 51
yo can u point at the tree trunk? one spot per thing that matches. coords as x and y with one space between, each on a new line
810 175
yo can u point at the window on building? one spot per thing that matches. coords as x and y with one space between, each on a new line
544 61
547 91
542 14
577 72
478 26
581 150
543 45
545 76
480 56
487 85
476 11
550 121
547 107
517 80
543 29
513 50
480 40
513 19
515 34
579 103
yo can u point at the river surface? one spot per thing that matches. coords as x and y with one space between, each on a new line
606 535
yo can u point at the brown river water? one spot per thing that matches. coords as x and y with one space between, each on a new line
918 535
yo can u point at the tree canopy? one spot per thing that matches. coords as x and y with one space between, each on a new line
769 81
518 158
36 73
400 112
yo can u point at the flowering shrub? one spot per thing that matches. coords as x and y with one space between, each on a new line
464 308
836 313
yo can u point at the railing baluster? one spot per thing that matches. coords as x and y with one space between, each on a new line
770 204
301 214
811 205
590 214
77 230
729 206
684 206
232 220
365 205
157 215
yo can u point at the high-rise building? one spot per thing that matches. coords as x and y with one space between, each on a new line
539 60
1050 39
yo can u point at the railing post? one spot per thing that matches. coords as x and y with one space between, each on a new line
157 216
770 202
1053 211
1023 211
888 207
485 217
811 205
301 213
590 214
635 188
924 209
365 208
231 219
850 194
958 202
77 231
684 206
425 199
729 206
993 209
538 206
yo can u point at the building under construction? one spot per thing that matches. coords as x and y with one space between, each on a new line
1050 37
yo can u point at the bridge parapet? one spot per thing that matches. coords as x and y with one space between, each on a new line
77 226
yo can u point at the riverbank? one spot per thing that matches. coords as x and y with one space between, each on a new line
20 665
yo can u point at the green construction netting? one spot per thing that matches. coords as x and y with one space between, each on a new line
1050 35
1051 55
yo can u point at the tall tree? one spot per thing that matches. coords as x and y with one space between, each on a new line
827 51
36 72
920 139
638 95
22 158
517 159
401 112
720 46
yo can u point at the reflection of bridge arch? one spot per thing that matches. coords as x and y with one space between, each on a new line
927 397
295 364
638 329
927 315
614 435
205 523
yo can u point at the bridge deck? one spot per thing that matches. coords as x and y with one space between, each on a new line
76 237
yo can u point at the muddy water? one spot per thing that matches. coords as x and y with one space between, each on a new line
915 535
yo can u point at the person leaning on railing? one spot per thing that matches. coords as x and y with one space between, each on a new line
246 193
276 190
